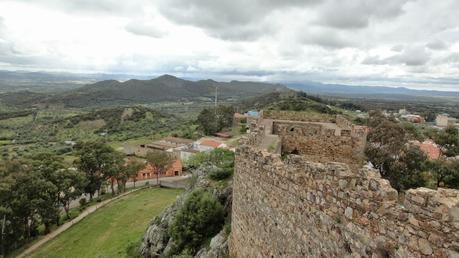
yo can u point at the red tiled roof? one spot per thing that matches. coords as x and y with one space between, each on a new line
430 149
211 143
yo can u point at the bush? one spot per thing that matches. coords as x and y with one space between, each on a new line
200 217
218 157
83 202
132 250
220 173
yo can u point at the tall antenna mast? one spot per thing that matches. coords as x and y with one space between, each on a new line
216 96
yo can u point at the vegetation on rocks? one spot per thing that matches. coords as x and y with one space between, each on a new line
189 227
200 217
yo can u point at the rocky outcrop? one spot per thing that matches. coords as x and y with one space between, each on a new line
218 247
156 238
156 241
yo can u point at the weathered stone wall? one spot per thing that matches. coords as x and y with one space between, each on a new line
320 141
296 208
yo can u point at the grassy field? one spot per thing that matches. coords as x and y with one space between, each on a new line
109 231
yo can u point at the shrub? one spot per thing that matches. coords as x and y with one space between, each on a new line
220 173
200 217
132 250
83 202
218 157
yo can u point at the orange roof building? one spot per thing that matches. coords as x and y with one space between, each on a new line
211 143
149 172
430 148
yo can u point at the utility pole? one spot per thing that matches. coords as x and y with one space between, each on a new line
216 96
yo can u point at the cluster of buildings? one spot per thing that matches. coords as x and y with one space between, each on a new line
444 120
441 121
413 118
181 149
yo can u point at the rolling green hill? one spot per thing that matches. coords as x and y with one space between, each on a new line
50 130
163 88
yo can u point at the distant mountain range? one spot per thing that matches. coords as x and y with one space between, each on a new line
80 90
53 81
163 88
369 91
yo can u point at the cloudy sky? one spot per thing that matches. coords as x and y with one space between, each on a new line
412 43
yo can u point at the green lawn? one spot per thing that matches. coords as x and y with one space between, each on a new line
108 231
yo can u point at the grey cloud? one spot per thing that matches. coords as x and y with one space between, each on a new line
397 48
357 14
243 33
327 41
414 56
2 27
437 45
224 18
326 38
143 28
374 60
109 7
450 59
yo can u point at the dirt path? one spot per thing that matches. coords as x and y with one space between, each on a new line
67 225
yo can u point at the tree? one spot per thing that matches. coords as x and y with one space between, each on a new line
71 183
212 120
219 157
225 116
200 216
113 169
387 149
449 141
97 161
385 142
446 173
406 172
47 165
20 192
9 236
130 171
30 195
160 160
207 121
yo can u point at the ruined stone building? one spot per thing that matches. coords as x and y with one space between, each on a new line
300 191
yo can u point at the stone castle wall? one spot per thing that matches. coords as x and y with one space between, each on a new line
292 207
321 141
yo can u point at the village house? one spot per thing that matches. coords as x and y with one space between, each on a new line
149 172
429 148
208 144
416 119
168 144
444 120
